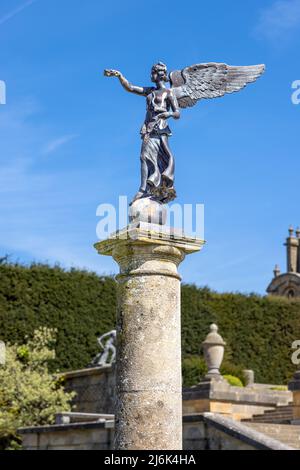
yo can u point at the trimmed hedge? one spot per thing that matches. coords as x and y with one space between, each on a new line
258 331
79 304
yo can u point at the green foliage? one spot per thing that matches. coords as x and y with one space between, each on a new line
79 305
258 330
282 388
193 370
234 381
229 368
29 394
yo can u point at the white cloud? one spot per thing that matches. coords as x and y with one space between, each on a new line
11 14
57 143
280 20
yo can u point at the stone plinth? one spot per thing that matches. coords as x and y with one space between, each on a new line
294 387
148 369
207 431
94 388
217 396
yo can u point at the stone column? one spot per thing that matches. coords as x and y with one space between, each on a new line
148 369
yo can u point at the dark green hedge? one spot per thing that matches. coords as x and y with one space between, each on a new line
259 331
80 305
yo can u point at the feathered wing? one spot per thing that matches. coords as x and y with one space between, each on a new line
212 80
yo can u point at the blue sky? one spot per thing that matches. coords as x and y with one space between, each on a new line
69 138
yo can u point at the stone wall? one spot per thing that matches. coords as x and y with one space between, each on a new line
95 393
94 387
234 402
200 432
211 431
78 436
294 386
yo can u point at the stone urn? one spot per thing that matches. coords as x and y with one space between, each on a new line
213 348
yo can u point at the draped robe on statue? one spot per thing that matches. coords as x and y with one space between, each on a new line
156 157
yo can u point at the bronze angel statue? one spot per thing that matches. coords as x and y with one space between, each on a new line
187 87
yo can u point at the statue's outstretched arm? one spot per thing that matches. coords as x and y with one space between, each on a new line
138 90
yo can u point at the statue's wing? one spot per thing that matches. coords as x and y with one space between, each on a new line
212 80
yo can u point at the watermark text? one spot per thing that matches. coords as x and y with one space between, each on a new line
296 354
187 219
2 92
296 93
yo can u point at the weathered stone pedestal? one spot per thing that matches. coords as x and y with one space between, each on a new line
294 386
148 369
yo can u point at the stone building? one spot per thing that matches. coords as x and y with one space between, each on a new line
288 284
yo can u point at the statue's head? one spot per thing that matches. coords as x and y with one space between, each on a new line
159 72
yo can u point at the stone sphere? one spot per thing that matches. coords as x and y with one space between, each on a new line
147 210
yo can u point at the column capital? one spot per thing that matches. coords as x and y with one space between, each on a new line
145 249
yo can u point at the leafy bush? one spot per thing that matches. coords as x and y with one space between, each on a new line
194 369
230 369
29 394
234 381
78 304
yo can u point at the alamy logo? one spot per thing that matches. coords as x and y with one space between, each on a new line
2 92
296 354
187 218
296 93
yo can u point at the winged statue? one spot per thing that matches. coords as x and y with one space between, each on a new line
187 87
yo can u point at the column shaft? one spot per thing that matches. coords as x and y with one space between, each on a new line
148 370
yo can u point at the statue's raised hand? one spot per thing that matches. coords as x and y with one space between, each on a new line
112 73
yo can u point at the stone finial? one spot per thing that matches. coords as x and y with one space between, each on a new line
291 231
213 348
276 271
298 232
